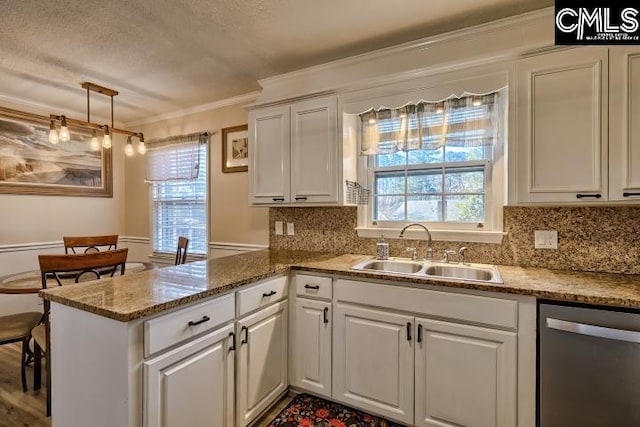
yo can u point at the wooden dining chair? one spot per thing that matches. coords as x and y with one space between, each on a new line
181 253
17 328
59 270
89 244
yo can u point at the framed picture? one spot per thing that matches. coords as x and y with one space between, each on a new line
30 164
235 149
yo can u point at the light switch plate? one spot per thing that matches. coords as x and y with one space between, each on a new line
279 228
546 239
290 230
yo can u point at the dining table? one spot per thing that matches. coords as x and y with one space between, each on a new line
30 282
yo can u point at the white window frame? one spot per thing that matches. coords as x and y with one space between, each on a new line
169 257
490 232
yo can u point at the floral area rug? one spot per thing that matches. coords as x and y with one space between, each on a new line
309 411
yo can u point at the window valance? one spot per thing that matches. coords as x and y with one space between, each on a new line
175 158
468 121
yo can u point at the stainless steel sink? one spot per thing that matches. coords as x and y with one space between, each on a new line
391 266
433 270
462 272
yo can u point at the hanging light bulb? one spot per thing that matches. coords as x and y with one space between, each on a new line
64 130
106 140
53 133
128 150
94 145
477 102
142 149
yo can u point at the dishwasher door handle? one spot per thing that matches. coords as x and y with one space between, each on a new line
594 331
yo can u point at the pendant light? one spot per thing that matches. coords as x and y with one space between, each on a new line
53 133
128 150
106 139
94 145
64 130
142 149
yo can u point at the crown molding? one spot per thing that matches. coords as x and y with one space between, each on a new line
235 100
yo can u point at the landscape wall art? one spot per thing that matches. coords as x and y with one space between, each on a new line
30 164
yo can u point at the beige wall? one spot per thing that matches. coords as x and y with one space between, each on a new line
231 218
33 219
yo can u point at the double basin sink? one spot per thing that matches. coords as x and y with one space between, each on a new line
433 270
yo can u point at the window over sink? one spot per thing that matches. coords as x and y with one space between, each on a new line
434 163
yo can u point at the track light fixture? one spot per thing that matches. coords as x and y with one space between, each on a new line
62 134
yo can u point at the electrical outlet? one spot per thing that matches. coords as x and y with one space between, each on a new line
290 230
279 228
546 239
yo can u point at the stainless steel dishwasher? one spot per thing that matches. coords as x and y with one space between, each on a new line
589 367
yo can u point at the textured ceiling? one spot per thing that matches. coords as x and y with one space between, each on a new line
164 55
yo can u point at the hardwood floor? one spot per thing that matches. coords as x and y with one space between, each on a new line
269 416
18 408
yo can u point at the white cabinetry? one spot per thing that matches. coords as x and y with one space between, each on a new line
193 384
262 361
373 361
464 375
562 102
624 126
269 138
294 153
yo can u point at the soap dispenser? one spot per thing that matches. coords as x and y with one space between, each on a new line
382 248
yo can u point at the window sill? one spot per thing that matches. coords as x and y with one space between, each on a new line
494 237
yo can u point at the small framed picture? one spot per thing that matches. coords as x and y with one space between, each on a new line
235 149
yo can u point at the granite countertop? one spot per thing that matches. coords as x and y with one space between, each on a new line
125 298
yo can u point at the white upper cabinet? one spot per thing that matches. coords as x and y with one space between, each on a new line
562 139
269 141
314 154
624 126
294 154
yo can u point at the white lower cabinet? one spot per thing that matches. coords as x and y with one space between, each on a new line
192 385
261 361
312 346
373 361
464 375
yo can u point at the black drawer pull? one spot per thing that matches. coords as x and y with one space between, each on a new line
408 331
233 341
419 333
301 197
278 199
272 293
325 315
246 335
626 194
198 322
582 196
316 287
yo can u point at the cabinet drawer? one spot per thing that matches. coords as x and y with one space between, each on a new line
169 329
262 294
313 286
498 312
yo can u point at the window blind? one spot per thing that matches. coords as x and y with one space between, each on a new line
180 204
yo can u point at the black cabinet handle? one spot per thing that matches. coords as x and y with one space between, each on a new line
582 196
316 287
301 197
233 341
269 294
198 322
408 331
325 314
626 194
278 199
245 340
419 333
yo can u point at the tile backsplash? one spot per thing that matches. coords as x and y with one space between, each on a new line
605 239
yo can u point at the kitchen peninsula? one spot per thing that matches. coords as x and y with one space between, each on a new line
125 350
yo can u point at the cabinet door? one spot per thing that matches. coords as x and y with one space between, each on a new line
312 346
269 137
373 361
624 128
314 151
562 126
465 375
262 361
192 385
